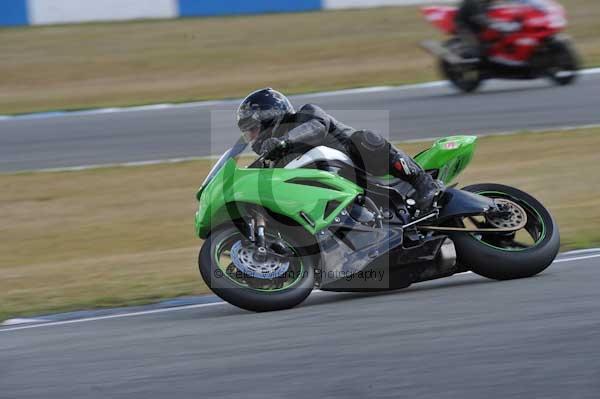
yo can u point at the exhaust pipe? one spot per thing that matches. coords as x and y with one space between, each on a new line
438 50
444 264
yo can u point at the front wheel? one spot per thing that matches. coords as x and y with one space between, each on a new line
280 278
505 256
564 63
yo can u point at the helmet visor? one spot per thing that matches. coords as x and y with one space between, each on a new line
251 134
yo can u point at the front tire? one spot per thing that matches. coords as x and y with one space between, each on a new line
249 297
564 63
493 258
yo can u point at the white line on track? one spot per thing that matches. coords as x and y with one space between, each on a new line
577 258
203 305
582 251
155 107
590 71
115 316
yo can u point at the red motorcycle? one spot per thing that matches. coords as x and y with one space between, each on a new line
523 41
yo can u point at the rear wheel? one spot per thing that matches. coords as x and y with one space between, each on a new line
233 269
504 256
464 76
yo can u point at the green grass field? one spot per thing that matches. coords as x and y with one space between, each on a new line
116 64
122 236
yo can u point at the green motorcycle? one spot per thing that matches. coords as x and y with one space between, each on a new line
275 230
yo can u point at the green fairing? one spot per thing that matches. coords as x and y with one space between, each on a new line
271 189
450 156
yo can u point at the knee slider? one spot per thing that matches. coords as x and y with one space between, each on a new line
371 152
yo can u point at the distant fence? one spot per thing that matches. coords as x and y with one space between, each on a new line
43 12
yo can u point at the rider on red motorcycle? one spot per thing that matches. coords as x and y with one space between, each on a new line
471 21
510 39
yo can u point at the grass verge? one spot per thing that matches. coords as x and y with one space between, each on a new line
122 236
117 64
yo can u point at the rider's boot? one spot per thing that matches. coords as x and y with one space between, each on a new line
427 189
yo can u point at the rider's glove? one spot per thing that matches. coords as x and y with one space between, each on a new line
272 148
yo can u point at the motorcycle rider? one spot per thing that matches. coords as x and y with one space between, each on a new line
268 120
472 19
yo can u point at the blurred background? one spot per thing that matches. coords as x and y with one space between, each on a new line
173 60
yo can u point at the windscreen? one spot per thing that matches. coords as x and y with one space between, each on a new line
233 152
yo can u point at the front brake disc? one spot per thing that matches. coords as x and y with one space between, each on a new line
244 260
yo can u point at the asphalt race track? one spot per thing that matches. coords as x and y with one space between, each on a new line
461 337
198 130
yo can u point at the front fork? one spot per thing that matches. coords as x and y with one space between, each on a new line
261 251
256 235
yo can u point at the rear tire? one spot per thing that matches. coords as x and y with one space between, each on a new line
465 77
249 298
505 264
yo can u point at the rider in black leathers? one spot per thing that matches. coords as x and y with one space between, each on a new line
470 21
472 14
269 121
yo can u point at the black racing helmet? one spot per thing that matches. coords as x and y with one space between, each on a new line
261 111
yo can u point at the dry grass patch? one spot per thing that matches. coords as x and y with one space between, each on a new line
117 236
94 65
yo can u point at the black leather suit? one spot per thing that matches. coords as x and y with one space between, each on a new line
471 20
311 127
472 15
